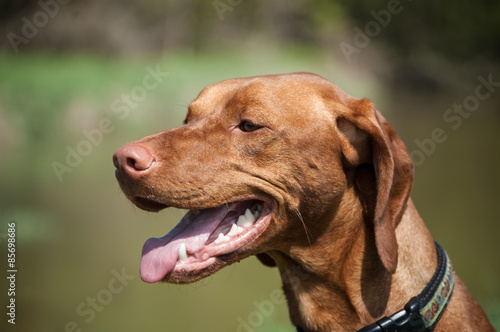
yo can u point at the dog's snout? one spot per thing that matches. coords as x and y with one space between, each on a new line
134 160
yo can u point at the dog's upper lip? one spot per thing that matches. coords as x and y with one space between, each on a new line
196 242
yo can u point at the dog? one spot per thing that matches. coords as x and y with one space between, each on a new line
311 180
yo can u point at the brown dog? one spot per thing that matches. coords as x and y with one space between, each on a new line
292 169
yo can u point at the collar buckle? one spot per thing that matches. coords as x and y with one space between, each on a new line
406 320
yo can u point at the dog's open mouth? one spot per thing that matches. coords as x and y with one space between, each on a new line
203 237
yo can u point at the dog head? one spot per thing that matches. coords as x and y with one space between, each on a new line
266 165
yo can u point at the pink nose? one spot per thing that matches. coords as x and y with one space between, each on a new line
134 160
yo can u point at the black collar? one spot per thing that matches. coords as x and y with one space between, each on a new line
423 311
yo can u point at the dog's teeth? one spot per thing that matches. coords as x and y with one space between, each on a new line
258 211
246 220
250 216
182 253
242 220
260 207
235 229
221 238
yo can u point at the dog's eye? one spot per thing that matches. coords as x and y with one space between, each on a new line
248 126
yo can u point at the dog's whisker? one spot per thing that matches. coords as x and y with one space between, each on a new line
306 230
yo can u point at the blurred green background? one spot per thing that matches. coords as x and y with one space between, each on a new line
65 67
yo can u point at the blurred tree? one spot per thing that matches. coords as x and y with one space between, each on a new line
9 8
460 30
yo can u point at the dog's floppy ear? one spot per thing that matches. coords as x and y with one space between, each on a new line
384 172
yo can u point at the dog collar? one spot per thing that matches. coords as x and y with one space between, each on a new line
423 311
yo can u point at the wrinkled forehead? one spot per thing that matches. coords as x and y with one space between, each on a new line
297 92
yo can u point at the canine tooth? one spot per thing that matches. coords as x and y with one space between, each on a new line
182 253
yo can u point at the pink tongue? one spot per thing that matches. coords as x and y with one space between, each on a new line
159 256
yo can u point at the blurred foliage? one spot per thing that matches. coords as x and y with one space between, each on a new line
424 42
430 40
460 30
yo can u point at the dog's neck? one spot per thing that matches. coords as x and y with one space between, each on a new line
346 290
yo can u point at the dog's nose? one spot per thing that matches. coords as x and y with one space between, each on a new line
134 160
